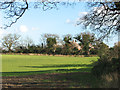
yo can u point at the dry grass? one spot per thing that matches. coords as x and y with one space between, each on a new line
110 80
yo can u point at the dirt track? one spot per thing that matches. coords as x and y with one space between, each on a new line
41 81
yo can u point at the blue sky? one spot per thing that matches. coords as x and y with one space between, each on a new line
62 21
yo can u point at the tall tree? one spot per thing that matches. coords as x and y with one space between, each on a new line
45 36
86 39
67 46
67 38
10 41
51 41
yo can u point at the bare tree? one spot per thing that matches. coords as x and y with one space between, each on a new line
14 9
103 19
46 35
9 41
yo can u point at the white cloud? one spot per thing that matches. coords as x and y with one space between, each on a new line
23 28
68 21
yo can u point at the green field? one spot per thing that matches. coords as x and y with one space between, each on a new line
15 65
48 71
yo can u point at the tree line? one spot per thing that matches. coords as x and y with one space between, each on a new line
82 44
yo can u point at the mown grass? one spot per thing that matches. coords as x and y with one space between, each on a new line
48 71
18 65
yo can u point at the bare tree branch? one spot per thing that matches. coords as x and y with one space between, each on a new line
104 19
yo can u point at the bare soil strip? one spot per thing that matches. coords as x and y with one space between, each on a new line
51 80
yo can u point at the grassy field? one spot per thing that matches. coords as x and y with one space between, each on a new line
21 71
17 65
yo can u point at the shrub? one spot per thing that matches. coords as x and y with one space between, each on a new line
108 67
103 66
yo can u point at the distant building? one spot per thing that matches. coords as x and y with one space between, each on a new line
75 44
91 46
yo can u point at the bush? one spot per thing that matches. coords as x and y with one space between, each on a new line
104 66
108 71
108 67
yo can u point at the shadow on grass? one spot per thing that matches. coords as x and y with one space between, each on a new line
81 77
63 65
45 71
82 68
